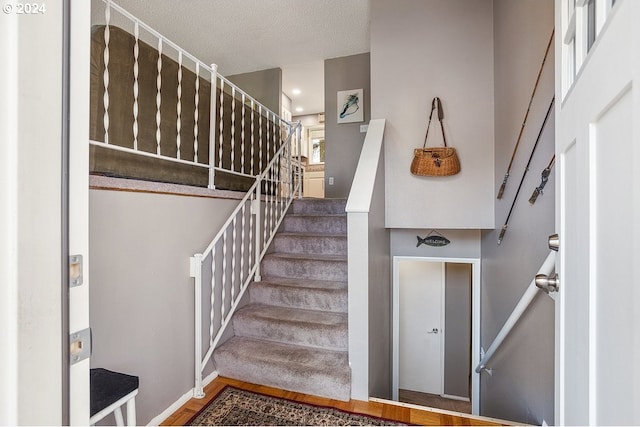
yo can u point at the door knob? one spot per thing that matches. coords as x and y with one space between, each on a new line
554 242
548 283
433 331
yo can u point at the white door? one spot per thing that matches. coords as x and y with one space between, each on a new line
80 24
598 212
421 293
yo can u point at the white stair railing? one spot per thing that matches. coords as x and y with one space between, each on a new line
232 260
226 150
546 268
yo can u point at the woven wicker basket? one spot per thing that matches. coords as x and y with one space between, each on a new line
435 161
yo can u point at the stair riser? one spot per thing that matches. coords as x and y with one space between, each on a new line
315 224
305 268
319 206
331 337
259 372
311 244
310 299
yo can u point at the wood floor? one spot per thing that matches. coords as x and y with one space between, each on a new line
397 412
434 401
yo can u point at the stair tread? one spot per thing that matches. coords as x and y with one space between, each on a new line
304 256
310 234
317 214
295 316
303 283
325 295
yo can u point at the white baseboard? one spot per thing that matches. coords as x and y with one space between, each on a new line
464 399
181 401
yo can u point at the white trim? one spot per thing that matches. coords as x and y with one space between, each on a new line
363 180
158 419
443 325
475 323
113 407
9 214
444 411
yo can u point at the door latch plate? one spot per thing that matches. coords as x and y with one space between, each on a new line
79 346
75 271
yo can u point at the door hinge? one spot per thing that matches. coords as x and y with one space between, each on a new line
79 346
75 271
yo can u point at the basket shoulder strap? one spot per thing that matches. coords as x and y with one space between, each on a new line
433 107
440 118
436 104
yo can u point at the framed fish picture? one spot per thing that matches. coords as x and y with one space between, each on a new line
350 106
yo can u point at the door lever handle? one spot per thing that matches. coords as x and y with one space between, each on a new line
548 283
433 331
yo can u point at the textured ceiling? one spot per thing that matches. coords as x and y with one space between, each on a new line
249 35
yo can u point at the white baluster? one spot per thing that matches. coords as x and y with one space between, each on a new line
299 183
260 137
268 159
224 273
273 196
136 88
212 126
253 140
196 111
242 136
221 127
213 296
276 140
290 174
233 128
179 105
251 235
233 259
256 210
267 184
242 243
105 75
158 96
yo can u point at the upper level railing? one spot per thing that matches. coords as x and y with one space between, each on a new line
157 100
173 107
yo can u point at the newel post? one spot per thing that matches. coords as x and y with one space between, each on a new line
195 267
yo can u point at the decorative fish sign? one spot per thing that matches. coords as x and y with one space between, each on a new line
433 240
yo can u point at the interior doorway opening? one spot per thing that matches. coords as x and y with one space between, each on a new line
436 318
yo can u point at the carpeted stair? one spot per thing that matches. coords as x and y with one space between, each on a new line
293 334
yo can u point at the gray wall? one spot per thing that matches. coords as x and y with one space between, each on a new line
421 49
379 293
264 85
141 301
521 387
457 347
343 141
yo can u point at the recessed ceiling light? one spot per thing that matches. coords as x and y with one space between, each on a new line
295 91
299 109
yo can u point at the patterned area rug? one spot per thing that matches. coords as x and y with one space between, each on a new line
235 407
